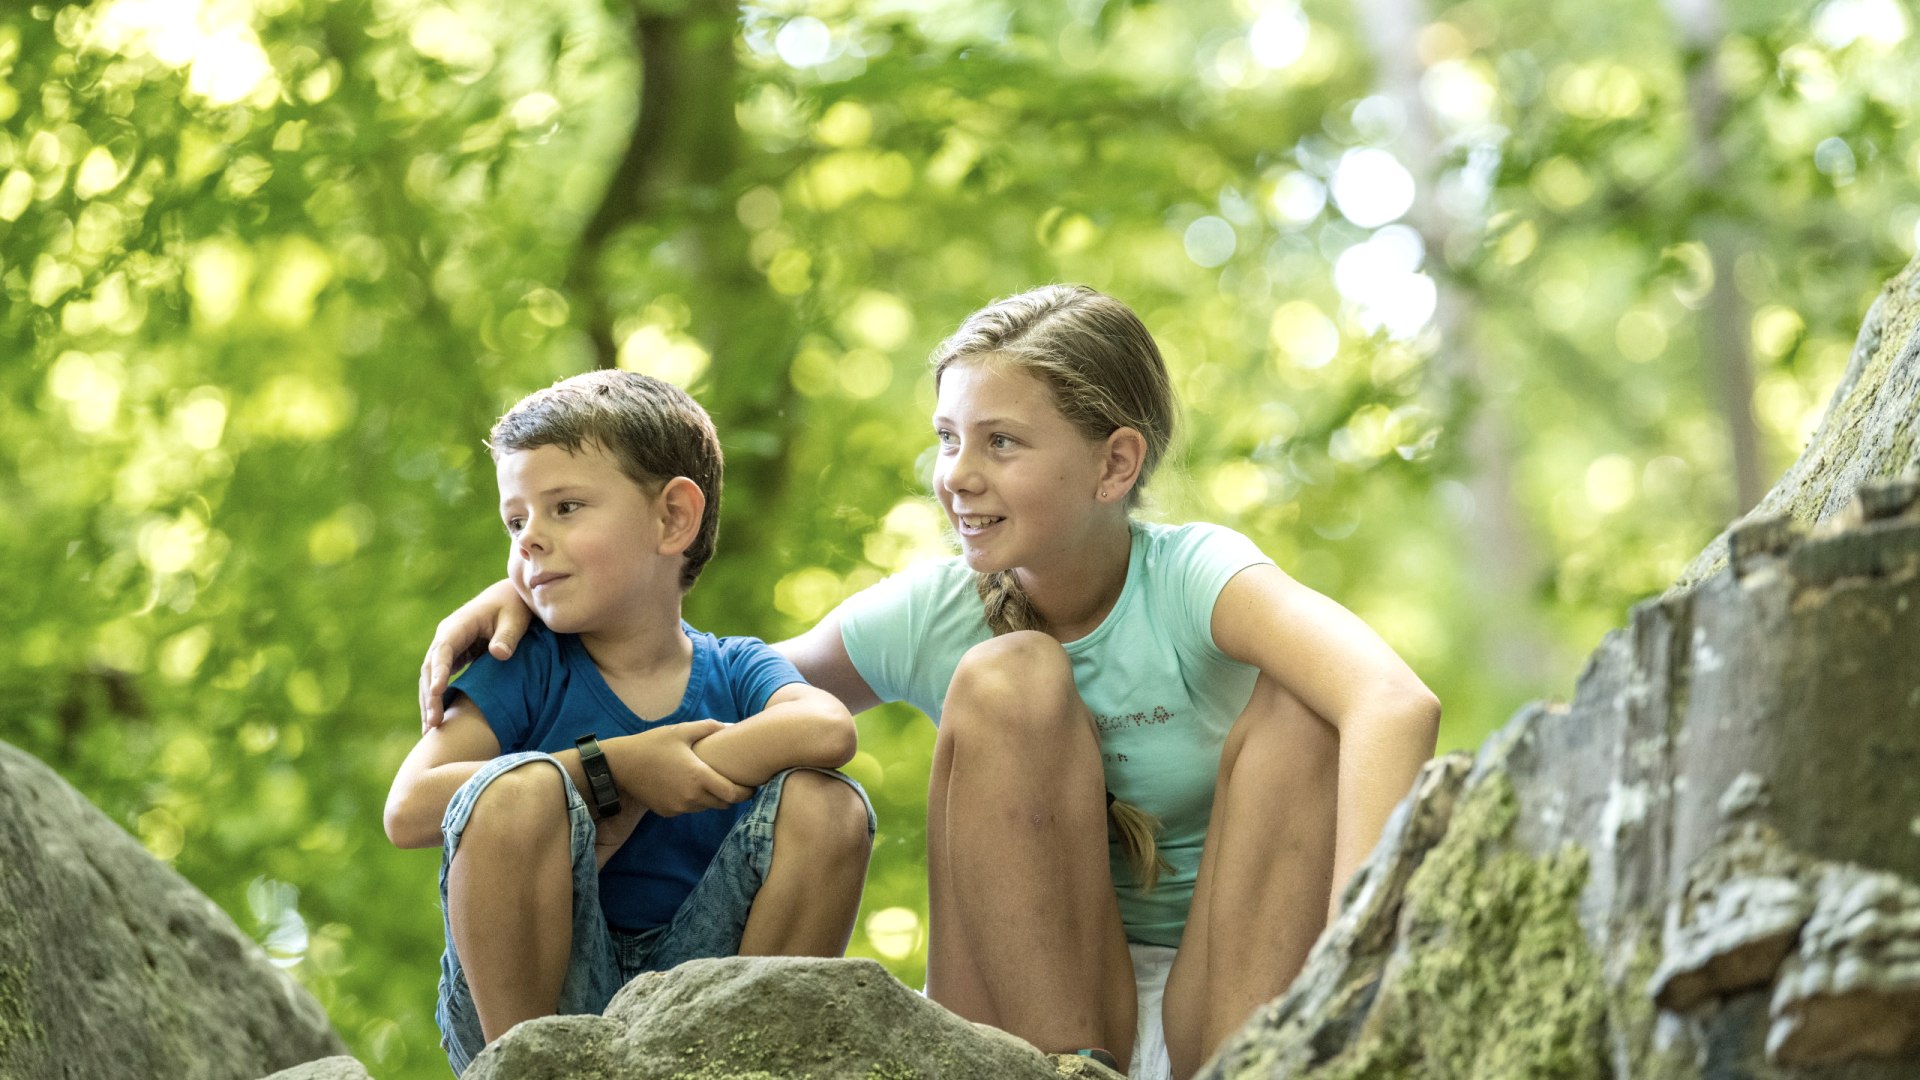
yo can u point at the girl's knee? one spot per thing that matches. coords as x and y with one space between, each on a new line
824 815
1020 680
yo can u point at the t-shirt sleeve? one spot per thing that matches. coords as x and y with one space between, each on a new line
509 692
1206 557
754 672
877 628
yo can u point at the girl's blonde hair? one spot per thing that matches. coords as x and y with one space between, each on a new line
1105 373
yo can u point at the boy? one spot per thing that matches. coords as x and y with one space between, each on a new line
593 795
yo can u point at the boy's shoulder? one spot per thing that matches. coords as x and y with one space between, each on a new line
735 673
730 650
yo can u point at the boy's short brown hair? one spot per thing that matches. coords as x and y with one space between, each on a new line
652 428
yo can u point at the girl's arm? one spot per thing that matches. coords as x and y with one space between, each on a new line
821 656
1337 666
496 620
801 725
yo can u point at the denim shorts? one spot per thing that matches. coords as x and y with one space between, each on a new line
709 923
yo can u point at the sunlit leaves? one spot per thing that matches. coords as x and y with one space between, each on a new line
270 268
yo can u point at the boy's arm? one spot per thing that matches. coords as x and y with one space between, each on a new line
655 771
801 725
444 758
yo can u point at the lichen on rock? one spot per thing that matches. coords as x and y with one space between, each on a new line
1491 975
1740 913
1852 987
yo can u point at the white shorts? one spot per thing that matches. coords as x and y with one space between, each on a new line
1151 963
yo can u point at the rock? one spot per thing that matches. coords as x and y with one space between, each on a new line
111 964
1744 905
1069 1065
1852 988
333 1068
765 1018
1736 766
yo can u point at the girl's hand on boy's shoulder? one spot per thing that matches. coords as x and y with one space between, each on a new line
661 772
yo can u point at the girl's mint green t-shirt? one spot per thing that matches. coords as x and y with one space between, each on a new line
1163 696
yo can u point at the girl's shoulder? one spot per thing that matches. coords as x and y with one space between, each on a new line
1191 539
923 584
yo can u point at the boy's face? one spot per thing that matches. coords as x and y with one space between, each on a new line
583 539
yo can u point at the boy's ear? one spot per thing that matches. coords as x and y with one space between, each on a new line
1125 452
681 505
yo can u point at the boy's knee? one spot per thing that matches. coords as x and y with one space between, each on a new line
524 807
824 815
1020 679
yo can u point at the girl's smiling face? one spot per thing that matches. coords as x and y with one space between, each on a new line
1017 480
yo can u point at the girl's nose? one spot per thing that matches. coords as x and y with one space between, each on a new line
961 474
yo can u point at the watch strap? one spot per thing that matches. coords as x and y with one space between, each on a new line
603 792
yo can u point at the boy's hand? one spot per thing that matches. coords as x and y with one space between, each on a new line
610 833
660 771
497 617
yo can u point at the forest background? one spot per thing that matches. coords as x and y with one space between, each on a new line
1486 316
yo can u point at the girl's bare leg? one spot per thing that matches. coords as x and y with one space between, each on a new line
1260 900
953 975
1027 932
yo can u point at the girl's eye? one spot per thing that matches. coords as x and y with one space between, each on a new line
1001 442
513 525
568 506
944 436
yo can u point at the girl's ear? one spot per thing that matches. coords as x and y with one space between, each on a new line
681 504
1124 452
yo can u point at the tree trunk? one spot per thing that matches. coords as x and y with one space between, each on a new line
678 182
1723 333
1708 865
1507 566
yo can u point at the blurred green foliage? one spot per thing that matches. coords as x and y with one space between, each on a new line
268 268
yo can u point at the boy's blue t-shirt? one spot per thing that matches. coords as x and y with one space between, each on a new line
549 693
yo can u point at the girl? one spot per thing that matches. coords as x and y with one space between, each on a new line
1081 664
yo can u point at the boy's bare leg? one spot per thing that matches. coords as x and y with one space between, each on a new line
510 898
811 896
1025 850
1260 900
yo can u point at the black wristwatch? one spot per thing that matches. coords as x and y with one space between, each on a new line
593 762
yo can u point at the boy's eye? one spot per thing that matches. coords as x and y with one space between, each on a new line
945 436
568 506
514 523
1001 442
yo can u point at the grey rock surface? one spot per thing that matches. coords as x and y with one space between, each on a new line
331 1068
112 964
764 1018
1707 863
